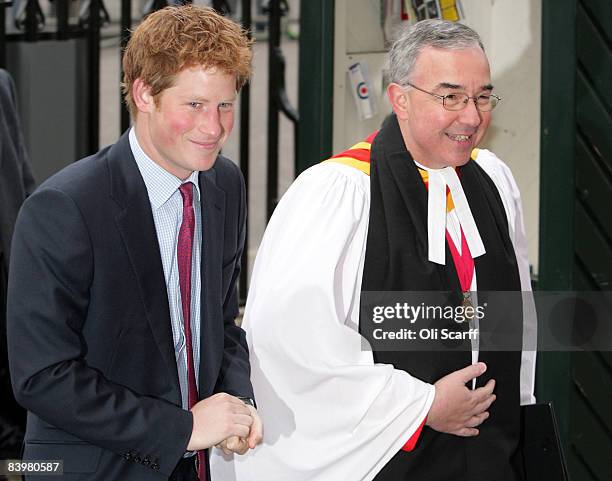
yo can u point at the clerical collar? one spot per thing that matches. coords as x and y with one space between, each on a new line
438 181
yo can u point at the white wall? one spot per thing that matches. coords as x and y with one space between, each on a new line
511 33
358 38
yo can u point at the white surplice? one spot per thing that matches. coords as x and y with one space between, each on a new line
329 412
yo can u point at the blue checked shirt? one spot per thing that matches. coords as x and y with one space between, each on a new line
167 207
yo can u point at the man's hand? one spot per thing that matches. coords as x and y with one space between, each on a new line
256 433
233 445
217 418
457 409
239 445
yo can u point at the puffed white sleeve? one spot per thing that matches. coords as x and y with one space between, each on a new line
329 412
502 177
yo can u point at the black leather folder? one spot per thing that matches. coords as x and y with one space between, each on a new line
542 453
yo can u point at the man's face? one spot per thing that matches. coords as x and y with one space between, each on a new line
437 137
184 129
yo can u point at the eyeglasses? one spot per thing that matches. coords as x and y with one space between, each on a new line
457 101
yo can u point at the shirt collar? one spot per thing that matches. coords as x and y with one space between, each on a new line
429 169
160 183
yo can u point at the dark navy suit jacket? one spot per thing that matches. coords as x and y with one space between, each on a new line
90 341
16 183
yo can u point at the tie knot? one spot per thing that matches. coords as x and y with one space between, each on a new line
187 193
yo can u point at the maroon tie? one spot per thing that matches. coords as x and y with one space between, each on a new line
183 255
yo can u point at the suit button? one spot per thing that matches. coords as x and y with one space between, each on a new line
146 461
155 466
137 459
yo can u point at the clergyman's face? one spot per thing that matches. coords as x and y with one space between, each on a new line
437 137
188 123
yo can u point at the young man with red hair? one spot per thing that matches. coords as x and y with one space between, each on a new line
122 291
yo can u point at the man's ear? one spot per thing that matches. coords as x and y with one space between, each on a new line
141 93
399 100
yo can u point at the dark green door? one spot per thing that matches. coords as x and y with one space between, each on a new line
590 430
576 227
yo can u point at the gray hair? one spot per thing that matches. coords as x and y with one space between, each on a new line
440 34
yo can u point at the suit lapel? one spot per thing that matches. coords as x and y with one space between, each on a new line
137 228
213 217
